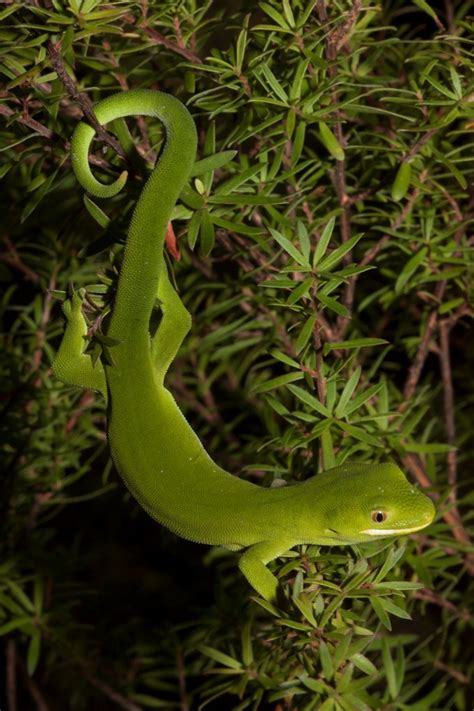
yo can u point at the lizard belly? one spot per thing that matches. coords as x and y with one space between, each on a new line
168 471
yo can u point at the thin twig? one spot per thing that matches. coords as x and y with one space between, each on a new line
82 99
158 38
445 362
26 120
431 596
11 675
457 675
333 42
13 259
110 693
451 515
183 696
33 688
320 379
45 315
343 31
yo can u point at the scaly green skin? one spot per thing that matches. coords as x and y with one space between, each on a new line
154 448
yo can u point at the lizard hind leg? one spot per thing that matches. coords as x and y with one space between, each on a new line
174 326
71 364
253 564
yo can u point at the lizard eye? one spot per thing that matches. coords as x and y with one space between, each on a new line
379 516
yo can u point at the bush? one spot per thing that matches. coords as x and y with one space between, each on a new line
326 259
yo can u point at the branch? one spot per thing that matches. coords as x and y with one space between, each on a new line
82 99
37 127
445 362
334 41
420 358
13 259
33 688
158 38
110 693
10 674
451 516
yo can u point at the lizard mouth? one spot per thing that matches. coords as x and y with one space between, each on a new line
393 531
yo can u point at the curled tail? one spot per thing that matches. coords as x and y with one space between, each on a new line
142 264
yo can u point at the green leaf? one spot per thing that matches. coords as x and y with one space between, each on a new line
236 226
275 15
393 556
313 685
399 585
332 259
305 333
333 305
361 399
402 181
289 13
39 194
18 593
329 459
220 657
193 228
289 248
240 50
451 167
274 83
440 87
95 212
394 609
303 239
33 653
276 382
243 176
326 660
450 305
346 394
207 233
380 612
389 669
300 291
364 664
285 359
330 142
456 82
410 268
191 198
148 701
323 242
36 182
246 641
240 345
309 399
18 623
353 343
218 160
360 434
423 5
429 448
295 91
305 607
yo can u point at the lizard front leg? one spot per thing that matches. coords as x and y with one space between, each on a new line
71 364
253 564
175 324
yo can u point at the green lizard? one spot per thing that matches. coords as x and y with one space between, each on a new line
157 453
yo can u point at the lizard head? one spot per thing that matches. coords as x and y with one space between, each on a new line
374 501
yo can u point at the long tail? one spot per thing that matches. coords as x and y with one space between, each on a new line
141 267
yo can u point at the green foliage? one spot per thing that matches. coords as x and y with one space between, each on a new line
327 261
